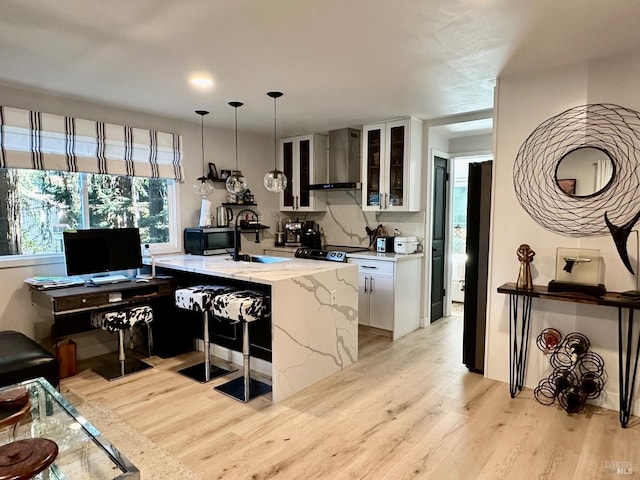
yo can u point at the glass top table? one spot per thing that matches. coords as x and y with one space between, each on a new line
83 453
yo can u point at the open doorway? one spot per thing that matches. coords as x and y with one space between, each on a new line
458 234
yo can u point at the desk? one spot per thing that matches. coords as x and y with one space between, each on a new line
520 322
64 303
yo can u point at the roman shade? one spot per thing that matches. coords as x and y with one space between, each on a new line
43 141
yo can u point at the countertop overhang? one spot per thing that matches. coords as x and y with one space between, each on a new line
266 273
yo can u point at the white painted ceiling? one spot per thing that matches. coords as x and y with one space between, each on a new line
339 62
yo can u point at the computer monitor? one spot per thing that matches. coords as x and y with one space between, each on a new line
101 250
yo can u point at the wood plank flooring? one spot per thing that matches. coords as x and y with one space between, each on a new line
406 410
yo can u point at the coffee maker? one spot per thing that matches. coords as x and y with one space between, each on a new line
293 232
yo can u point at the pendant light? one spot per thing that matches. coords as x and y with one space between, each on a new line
203 186
236 182
275 180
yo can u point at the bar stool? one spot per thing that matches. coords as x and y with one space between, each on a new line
200 298
244 306
118 321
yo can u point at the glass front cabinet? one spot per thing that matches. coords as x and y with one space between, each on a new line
303 159
391 173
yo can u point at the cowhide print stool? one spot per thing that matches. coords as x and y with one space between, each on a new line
117 321
244 306
200 298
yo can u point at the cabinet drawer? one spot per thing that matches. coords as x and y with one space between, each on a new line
81 301
375 267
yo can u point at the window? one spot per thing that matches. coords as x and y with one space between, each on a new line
59 172
36 206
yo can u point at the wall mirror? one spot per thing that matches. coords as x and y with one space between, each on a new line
584 171
603 134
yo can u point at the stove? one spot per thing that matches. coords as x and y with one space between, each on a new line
332 253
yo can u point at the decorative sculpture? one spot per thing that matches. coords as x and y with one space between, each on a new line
525 256
612 129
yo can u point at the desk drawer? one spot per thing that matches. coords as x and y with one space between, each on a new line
75 302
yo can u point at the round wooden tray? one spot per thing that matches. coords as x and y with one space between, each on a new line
14 398
23 459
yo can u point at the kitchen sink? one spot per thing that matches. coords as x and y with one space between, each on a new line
266 259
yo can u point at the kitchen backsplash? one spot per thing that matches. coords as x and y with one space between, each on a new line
344 221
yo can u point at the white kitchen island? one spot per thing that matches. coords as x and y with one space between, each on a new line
314 313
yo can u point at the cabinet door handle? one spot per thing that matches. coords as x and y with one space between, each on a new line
372 285
366 290
297 202
367 266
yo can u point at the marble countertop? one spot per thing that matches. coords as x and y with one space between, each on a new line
266 273
385 257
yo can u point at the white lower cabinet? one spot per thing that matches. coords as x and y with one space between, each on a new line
388 294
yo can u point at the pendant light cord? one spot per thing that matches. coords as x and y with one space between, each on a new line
236 114
202 143
275 137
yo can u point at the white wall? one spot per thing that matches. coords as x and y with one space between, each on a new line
522 104
255 158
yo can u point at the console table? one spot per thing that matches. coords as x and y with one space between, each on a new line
66 302
519 327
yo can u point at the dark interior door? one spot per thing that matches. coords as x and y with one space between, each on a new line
438 238
477 265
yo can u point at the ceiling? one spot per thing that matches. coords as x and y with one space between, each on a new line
339 63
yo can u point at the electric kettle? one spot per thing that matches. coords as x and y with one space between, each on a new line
223 216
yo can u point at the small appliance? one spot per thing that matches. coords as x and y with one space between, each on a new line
311 235
406 245
210 240
293 232
384 244
224 215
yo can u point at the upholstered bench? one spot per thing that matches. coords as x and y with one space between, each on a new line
22 359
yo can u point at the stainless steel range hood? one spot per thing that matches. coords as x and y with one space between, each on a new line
343 170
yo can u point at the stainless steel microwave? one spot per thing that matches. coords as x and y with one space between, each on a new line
209 240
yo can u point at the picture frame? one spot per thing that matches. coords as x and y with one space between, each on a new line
213 171
224 174
567 185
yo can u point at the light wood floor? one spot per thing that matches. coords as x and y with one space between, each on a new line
407 409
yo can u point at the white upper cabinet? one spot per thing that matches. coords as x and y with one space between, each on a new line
391 165
303 159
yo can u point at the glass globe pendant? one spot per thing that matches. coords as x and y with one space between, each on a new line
236 182
202 186
275 180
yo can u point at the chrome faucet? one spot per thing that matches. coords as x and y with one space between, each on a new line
236 232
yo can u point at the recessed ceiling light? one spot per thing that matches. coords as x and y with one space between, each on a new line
201 82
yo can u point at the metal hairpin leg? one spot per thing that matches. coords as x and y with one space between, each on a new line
625 352
518 341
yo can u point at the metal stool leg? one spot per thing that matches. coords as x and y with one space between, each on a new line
244 388
204 372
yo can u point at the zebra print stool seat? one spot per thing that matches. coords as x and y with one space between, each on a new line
200 298
117 321
244 306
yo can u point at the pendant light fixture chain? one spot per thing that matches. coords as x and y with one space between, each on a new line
235 106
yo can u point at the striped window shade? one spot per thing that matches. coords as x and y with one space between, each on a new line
43 141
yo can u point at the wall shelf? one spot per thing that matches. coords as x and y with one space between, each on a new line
228 204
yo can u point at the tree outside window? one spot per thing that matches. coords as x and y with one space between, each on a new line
37 206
